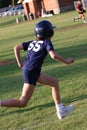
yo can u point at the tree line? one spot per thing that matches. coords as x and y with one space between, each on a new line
6 3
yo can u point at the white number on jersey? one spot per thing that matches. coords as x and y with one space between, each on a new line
35 46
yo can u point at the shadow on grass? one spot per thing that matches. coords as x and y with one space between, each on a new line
70 100
77 98
6 53
28 109
8 22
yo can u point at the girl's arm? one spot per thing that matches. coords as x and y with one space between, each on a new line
57 57
17 50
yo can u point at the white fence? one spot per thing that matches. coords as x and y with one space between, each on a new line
84 3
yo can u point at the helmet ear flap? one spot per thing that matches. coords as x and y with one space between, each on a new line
49 33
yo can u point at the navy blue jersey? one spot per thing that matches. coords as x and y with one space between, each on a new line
36 53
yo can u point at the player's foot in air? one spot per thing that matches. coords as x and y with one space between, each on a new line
85 21
65 111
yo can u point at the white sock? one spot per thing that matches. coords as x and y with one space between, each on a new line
59 106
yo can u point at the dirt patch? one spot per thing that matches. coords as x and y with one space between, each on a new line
6 62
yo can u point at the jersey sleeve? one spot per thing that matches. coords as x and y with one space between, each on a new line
25 45
49 45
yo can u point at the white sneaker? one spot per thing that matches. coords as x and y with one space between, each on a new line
85 21
64 111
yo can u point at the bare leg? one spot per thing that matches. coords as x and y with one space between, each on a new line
83 17
22 102
61 110
48 80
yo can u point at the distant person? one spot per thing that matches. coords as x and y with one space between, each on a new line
81 11
38 14
37 51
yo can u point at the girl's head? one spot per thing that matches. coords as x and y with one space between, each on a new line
79 1
44 30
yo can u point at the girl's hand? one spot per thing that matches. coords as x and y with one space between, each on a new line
20 65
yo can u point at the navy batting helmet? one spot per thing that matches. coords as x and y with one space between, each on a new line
44 29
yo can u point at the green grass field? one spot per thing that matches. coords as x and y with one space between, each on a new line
70 40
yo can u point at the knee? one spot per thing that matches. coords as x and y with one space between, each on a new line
56 81
22 104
